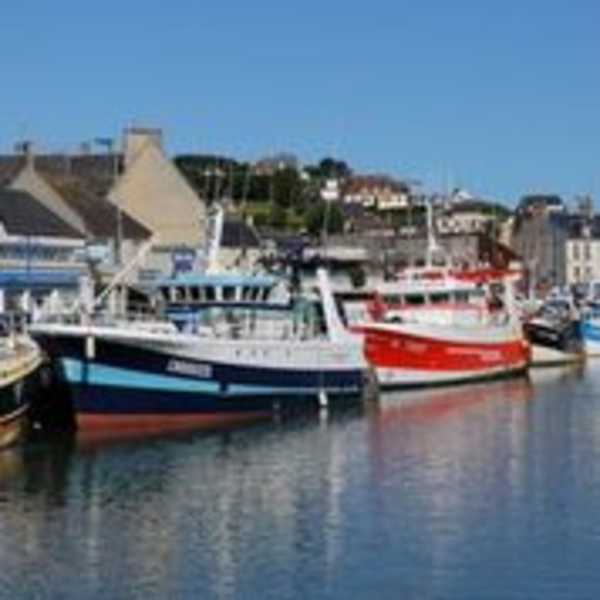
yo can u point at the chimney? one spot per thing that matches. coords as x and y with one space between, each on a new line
138 138
25 149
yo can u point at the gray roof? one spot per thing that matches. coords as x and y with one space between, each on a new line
9 168
97 170
22 214
99 214
83 182
239 234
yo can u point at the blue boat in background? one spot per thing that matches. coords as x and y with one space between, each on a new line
590 328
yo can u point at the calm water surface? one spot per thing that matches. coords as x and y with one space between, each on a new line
483 492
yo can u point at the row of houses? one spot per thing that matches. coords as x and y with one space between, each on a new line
62 215
557 245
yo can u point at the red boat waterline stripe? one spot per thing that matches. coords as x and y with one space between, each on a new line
160 422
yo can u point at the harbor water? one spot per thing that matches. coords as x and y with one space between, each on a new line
477 492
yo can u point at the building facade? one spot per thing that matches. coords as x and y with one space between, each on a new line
42 258
154 192
540 230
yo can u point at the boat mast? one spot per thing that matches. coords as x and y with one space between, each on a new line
433 247
214 234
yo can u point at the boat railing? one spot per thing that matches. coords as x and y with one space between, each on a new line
101 316
13 322
299 321
251 324
498 318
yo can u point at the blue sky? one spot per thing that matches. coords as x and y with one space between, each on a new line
501 97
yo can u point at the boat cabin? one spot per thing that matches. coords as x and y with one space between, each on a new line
188 294
193 301
197 291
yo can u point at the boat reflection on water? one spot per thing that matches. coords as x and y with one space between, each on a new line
104 436
436 402
401 499
98 437
549 376
217 495
11 463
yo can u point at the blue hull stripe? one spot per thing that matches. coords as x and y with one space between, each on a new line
590 331
78 372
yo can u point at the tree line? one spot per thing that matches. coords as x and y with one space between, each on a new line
275 192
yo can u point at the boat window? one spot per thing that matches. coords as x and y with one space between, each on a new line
211 295
440 298
415 299
229 293
393 299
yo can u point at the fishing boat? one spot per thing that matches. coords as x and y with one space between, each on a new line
228 346
20 359
554 332
440 323
590 328
419 333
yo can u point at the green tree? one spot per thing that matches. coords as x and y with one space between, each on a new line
328 168
324 218
286 187
211 176
278 217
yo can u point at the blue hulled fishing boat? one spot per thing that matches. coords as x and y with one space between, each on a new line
229 346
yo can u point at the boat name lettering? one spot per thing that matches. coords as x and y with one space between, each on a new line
484 355
415 347
183 367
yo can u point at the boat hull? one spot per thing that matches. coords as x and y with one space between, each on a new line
422 355
590 337
545 356
139 379
554 343
19 364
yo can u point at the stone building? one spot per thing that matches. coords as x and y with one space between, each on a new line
539 235
152 190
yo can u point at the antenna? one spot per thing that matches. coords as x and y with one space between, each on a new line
213 235
432 245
